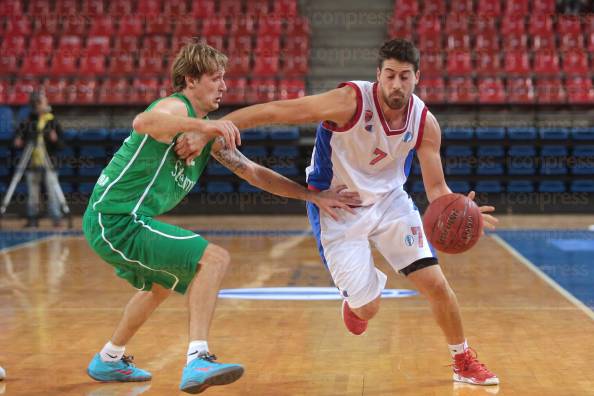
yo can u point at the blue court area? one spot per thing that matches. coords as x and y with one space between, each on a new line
566 256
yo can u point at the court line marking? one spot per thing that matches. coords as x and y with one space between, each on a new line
547 279
27 244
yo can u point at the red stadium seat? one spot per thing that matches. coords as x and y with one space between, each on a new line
35 65
571 41
298 26
575 63
115 91
261 91
487 41
120 7
546 63
432 90
74 25
176 8
485 24
488 63
86 91
491 90
149 7
437 7
64 63
144 90
216 41
489 7
580 90
540 24
101 25
429 25
14 45
235 91
270 26
461 90
42 43
55 90
21 91
285 8
513 24
92 7
9 63
517 63
158 24
98 45
515 42
185 27
230 8
150 64
5 89
520 90
265 65
39 8
569 24
214 26
404 27
92 65
432 64
49 24
459 63
291 89
517 7
203 8
239 45
10 8
155 44
70 44
17 26
257 7
456 23
66 7
543 7
550 91
267 45
543 41
296 46
126 44
430 43
238 65
243 26
295 66
122 64
406 8
462 7
590 45
458 41
131 25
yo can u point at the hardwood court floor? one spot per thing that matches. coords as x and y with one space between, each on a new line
59 304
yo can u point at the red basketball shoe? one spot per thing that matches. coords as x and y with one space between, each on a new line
468 369
351 321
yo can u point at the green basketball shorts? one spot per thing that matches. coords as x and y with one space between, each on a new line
145 251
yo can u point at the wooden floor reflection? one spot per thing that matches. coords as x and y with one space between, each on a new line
59 303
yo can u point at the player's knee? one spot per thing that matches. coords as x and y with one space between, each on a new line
160 293
438 289
216 256
368 310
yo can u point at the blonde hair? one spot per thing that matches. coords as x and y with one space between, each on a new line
195 59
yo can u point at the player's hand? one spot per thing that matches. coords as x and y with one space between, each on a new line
336 198
226 129
488 221
190 145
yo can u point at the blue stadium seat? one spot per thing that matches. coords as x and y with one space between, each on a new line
119 134
454 133
525 166
21 188
458 168
86 188
6 123
553 167
522 151
196 189
490 151
93 134
553 151
4 171
552 186
461 187
553 133
254 134
70 135
286 170
490 133
522 133
219 187
93 152
488 186
418 187
490 168
245 187
3 188
582 186
23 113
285 151
524 186
254 151
583 168
67 187
66 170
216 169
66 152
284 133
586 133
583 151
4 152
90 170
458 151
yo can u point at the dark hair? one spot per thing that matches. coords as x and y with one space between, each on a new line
400 49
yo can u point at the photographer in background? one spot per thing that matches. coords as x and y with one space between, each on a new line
44 131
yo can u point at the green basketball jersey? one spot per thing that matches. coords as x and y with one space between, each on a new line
146 176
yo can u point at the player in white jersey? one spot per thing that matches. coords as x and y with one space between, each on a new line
366 141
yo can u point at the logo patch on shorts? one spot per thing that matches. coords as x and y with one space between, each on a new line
409 240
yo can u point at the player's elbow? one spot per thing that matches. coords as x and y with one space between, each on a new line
139 124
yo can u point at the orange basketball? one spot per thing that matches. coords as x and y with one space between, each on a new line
453 223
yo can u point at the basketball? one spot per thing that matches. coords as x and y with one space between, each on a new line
453 223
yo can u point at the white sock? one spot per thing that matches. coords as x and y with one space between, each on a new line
111 352
195 349
459 348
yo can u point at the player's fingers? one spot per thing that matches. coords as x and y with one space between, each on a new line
349 200
348 208
487 208
490 220
471 195
330 212
231 136
236 133
338 189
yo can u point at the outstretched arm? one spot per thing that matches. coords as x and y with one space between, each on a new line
274 183
432 171
169 117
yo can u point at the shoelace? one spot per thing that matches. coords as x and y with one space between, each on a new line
128 360
470 361
208 357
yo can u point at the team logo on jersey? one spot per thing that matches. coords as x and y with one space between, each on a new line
407 137
409 240
368 115
369 128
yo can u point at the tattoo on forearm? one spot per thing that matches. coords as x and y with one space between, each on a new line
231 159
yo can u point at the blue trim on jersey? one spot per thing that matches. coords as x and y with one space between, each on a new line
408 162
322 174
313 213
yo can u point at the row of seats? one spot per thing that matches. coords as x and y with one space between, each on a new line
515 186
519 133
499 151
178 8
143 90
494 90
519 166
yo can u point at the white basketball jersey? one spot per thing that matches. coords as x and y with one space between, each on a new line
367 155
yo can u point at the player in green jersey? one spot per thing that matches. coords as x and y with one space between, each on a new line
145 179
